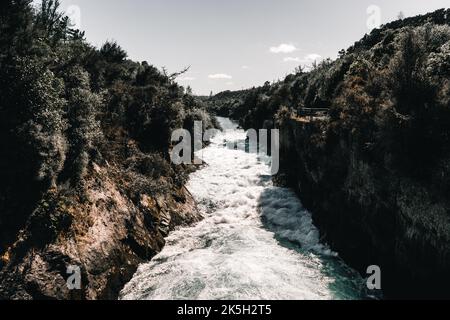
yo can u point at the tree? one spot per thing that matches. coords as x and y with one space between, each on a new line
53 25
32 110
172 77
112 52
84 131
16 19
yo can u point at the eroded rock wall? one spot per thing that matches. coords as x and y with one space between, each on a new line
368 213
105 234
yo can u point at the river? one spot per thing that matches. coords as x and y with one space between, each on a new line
256 242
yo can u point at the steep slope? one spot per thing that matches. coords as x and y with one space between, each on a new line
86 179
106 235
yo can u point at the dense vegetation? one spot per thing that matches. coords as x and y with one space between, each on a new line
65 105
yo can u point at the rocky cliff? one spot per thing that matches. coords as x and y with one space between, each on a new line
106 234
371 215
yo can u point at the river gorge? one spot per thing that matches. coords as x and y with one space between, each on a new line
256 240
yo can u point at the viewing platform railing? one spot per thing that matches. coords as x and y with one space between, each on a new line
312 112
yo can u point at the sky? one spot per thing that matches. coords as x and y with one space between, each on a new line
235 44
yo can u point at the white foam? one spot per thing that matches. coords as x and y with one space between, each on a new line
235 253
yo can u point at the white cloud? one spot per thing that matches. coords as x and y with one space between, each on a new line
313 57
186 79
292 59
220 76
284 48
245 67
307 60
229 83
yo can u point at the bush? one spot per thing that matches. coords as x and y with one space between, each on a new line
84 127
283 115
39 126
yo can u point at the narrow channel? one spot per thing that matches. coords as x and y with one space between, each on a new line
256 241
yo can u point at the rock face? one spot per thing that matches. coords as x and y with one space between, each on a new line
370 215
105 235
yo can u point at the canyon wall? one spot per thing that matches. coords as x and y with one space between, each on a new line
106 235
369 214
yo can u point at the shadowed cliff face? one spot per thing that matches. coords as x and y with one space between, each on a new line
106 235
369 214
